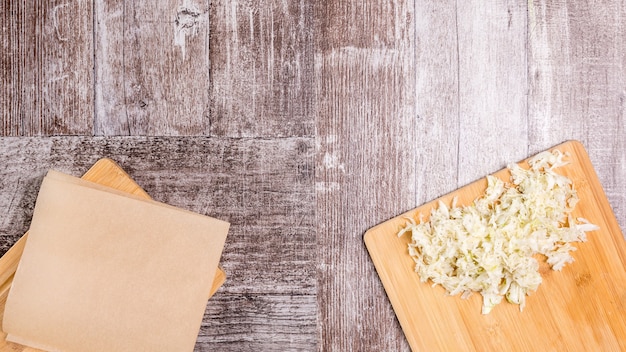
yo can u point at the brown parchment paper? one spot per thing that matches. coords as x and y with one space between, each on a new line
104 271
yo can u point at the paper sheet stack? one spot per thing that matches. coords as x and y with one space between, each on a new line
103 270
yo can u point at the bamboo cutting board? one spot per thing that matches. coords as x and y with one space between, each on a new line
580 308
105 172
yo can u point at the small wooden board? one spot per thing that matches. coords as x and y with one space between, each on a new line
105 172
581 308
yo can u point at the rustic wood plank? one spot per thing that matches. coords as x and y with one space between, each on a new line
366 133
262 59
577 72
492 86
243 322
437 92
46 71
403 116
152 68
263 187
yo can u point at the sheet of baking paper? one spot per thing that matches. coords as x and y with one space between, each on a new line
82 182
107 272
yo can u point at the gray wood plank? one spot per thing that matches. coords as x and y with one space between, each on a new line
152 68
263 187
492 87
243 322
262 59
577 71
437 92
46 72
365 155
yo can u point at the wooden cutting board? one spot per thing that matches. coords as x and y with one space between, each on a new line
580 308
105 172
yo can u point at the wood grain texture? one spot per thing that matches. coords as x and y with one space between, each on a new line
577 75
371 108
273 323
264 188
437 93
365 157
262 59
152 68
46 61
492 86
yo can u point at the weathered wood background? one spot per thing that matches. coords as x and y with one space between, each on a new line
304 124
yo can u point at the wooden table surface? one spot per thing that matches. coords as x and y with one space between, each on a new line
304 124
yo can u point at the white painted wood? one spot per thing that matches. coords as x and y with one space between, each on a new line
366 154
437 117
492 86
152 68
262 78
46 62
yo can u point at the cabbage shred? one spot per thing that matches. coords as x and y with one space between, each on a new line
488 246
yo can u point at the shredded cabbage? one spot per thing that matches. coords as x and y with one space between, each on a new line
488 246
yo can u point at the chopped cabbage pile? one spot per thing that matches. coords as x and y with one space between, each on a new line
488 247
